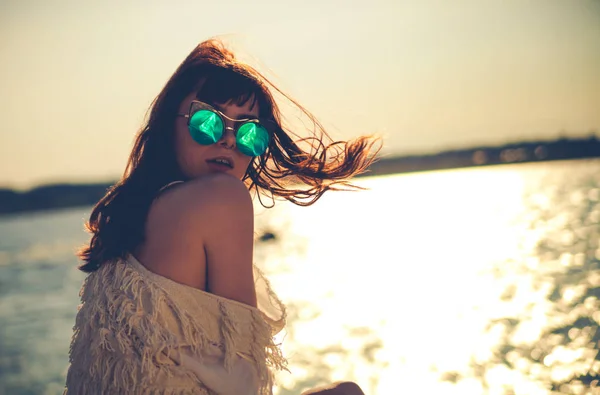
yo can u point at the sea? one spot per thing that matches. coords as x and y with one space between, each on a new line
473 281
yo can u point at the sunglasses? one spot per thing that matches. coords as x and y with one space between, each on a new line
207 125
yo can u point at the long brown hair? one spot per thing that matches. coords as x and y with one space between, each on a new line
285 170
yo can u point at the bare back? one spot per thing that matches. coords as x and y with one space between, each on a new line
200 233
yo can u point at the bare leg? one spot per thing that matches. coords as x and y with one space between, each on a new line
340 388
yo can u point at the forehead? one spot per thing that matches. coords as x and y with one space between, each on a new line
247 101
233 110
224 85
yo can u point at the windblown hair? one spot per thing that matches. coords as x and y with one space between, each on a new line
286 170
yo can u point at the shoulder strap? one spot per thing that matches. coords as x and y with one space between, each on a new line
169 185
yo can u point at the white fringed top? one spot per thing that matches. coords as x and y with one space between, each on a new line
137 332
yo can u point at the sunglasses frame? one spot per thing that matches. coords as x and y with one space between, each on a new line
197 105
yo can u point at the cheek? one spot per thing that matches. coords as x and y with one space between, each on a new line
180 146
185 152
245 164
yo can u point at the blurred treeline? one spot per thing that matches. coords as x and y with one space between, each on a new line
72 195
51 197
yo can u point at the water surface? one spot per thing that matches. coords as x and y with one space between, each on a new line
469 281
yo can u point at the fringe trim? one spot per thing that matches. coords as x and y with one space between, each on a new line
276 325
121 345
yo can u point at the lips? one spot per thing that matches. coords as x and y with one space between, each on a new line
224 161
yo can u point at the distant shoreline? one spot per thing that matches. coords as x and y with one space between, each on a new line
526 152
65 195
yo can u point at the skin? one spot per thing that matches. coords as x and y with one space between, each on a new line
192 156
339 388
192 227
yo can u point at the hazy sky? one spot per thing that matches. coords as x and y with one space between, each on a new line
77 77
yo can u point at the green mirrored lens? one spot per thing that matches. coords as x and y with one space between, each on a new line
252 139
206 127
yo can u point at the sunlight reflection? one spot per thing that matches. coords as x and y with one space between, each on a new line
403 286
433 270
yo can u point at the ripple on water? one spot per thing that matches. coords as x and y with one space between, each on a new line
440 282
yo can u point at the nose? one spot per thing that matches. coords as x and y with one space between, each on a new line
228 138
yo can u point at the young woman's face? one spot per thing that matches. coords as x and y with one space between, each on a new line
196 160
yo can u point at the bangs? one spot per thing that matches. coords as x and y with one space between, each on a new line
222 86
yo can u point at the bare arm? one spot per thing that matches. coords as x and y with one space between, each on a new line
228 237
204 225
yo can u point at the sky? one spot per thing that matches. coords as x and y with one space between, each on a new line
77 77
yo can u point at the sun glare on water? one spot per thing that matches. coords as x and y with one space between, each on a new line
473 281
395 284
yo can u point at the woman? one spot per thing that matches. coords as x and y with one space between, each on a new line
172 303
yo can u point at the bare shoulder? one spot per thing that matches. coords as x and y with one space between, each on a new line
221 185
200 233
190 207
205 194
